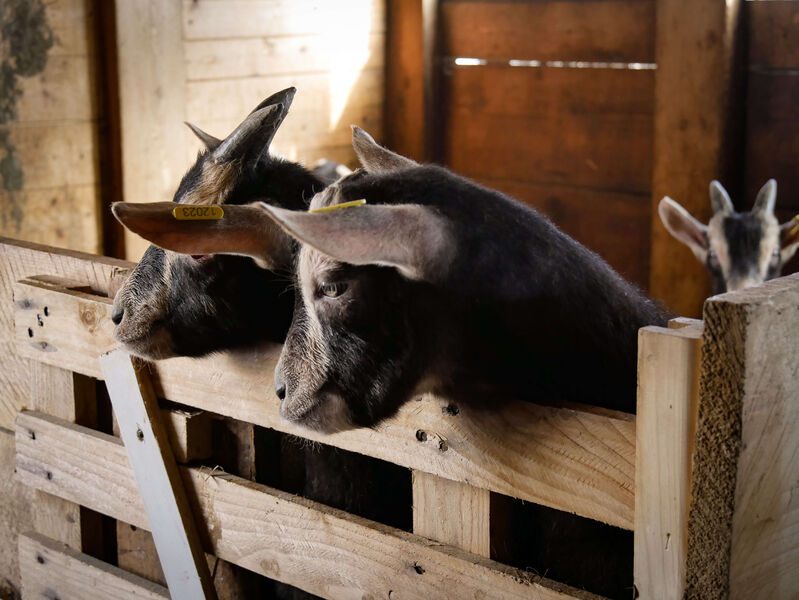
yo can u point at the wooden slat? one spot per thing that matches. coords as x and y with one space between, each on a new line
572 460
599 137
159 483
268 531
615 225
53 570
223 19
152 103
774 34
189 433
668 378
743 537
618 30
696 128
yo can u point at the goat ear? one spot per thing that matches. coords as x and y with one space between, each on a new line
766 198
243 230
789 239
284 97
375 158
253 137
684 227
411 238
210 142
720 199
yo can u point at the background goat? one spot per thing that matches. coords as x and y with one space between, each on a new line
739 249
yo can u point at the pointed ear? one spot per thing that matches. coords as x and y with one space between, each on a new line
789 239
253 137
375 158
284 97
684 227
766 198
720 199
210 142
411 238
243 230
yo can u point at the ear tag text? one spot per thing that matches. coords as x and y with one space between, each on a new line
198 213
350 204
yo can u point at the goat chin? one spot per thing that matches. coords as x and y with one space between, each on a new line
326 414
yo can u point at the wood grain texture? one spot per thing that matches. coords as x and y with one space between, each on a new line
568 459
16 506
613 30
773 34
743 539
53 570
350 557
697 53
668 379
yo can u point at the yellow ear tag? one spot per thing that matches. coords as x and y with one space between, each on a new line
795 228
350 204
198 213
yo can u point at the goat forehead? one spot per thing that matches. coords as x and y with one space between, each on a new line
215 183
312 267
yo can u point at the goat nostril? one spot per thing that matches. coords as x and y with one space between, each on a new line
280 390
117 314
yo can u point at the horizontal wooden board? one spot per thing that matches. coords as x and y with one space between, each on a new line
223 19
774 33
576 461
282 55
615 225
611 30
583 127
266 530
51 569
69 21
63 216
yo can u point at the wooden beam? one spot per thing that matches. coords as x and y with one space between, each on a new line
51 569
269 531
568 459
170 517
668 378
189 433
742 536
696 136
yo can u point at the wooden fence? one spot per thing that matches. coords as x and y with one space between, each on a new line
730 410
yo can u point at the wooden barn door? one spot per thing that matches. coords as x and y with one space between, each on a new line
552 102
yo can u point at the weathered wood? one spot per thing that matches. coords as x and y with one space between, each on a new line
612 30
451 513
351 556
152 101
696 90
54 570
668 378
169 514
773 34
742 536
189 433
573 460
16 507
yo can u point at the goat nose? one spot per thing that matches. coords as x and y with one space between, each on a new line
116 314
280 390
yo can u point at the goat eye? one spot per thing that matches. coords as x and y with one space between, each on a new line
333 290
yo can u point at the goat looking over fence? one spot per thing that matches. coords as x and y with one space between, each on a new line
739 249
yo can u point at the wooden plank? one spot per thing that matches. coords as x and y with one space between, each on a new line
169 514
613 30
743 537
695 133
615 225
269 531
598 138
568 459
773 34
53 570
282 55
214 19
152 103
668 378
62 93
189 433
452 513
404 105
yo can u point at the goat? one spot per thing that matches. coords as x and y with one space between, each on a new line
438 284
738 249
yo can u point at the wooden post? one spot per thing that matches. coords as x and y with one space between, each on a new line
160 486
696 94
668 377
743 524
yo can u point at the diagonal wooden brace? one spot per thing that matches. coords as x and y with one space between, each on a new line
157 477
